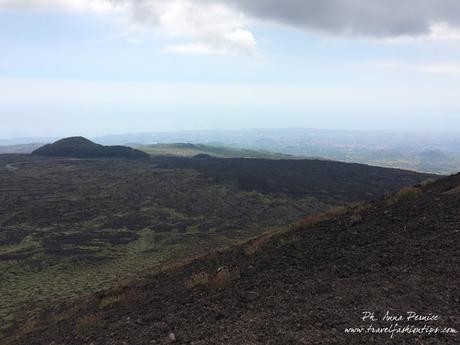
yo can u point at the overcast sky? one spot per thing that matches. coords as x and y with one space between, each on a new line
94 67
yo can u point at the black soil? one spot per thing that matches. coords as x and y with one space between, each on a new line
304 287
301 177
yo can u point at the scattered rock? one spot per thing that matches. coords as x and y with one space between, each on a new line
172 337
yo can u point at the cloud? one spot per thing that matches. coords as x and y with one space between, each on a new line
211 27
373 18
222 26
98 6
214 27
238 41
442 31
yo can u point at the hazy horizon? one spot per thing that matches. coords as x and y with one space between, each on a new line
262 130
428 151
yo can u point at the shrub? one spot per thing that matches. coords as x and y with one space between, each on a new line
222 279
428 182
256 244
289 239
107 301
311 220
336 212
89 323
129 296
197 279
360 207
407 193
27 327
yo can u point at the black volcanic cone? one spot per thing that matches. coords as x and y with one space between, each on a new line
79 147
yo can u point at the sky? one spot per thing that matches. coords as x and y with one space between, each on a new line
94 67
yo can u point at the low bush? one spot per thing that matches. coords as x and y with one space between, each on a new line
88 323
336 212
428 182
197 279
108 301
407 193
223 278
27 327
311 220
258 243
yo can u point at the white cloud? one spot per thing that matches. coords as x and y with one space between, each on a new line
211 27
98 6
442 31
238 41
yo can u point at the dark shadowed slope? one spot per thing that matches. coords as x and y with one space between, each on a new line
79 147
305 286
319 178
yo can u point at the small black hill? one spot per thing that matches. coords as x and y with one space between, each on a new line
80 147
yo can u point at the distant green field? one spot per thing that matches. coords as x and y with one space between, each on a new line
190 150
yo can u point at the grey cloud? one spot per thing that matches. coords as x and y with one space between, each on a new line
376 18
211 25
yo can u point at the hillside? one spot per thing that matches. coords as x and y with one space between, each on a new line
306 285
70 227
79 147
394 149
190 150
325 180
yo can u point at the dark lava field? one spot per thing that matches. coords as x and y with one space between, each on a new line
72 227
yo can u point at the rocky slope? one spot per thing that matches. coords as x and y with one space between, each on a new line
307 285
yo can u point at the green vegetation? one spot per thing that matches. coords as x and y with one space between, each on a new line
191 150
407 193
